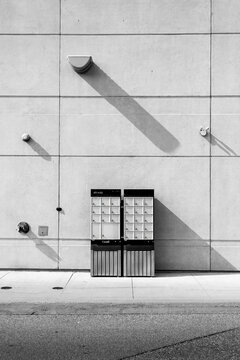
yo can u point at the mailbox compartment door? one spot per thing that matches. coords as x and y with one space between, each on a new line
110 231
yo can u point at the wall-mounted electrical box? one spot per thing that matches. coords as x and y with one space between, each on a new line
43 230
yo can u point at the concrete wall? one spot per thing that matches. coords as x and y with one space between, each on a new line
162 69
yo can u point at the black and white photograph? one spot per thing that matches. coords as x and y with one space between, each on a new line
120 179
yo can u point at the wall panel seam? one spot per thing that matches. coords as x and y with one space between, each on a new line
210 126
122 96
59 125
123 34
120 156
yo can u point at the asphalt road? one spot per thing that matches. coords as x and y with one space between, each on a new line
82 331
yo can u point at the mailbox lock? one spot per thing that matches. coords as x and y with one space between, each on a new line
23 227
26 137
204 131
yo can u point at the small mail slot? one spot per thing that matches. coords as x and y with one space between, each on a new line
138 219
148 219
96 201
129 218
96 210
148 227
139 227
148 235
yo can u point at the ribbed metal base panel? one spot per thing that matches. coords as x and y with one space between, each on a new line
106 263
139 263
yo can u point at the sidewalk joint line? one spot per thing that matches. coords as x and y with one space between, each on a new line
69 280
132 288
201 286
4 275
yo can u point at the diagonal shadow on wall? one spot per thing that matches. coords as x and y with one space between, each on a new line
170 226
39 149
217 142
131 109
43 247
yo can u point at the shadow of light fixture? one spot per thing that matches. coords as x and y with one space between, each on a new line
80 63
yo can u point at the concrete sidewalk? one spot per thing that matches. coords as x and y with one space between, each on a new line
80 287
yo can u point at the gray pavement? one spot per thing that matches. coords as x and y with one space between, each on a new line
130 331
37 287
220 346
171 316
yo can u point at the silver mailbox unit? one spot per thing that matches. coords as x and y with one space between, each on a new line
138 250
106 257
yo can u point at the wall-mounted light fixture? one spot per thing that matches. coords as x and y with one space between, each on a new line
26 137
23 227
204 131
80 63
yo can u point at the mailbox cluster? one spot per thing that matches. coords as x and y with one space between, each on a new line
105 233
122 232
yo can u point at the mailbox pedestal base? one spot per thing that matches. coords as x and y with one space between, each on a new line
139 259
106 258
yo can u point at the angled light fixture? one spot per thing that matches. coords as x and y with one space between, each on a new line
80 63
26 137
204 131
